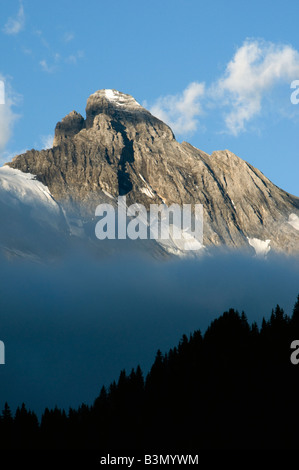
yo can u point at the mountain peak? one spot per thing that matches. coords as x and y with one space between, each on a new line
113 103
115 97
122 149
119 111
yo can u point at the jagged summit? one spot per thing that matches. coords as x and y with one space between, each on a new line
112 103
122 149
68 127
122 108
116 97
109 108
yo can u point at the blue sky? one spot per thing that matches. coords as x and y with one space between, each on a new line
218 72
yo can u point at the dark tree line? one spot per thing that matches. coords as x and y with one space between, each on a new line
232 388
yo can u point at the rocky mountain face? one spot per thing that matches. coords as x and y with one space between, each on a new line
120 148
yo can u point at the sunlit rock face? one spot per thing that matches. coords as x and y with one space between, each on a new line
120 149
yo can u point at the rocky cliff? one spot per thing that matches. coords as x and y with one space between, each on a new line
120 148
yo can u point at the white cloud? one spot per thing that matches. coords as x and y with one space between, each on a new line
46 67
73 58
7 115
47 141
180 111
249 78
15 25
44 142
255 69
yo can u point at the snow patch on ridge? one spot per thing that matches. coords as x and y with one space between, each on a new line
22 194
187 245
147 192
107 194
294 221
261 247
24 187
121 99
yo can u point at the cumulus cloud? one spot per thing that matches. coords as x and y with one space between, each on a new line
255 69
181 111
15 25
7 114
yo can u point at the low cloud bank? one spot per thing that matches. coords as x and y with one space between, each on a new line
71 327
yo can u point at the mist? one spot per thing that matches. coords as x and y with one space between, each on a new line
70 327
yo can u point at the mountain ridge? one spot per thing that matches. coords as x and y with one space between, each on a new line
120 148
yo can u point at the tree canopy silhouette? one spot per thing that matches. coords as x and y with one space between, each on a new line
233 387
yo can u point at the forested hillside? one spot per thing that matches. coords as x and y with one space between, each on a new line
233 387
